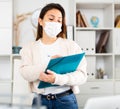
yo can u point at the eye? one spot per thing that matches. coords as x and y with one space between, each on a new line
59 21
51 19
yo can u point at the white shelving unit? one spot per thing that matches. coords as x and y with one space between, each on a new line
86 37
6 10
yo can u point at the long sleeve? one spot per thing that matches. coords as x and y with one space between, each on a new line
34 60
77 77
28 70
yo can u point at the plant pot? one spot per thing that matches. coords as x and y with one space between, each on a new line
16 49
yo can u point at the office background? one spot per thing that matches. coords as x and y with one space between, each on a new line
17 29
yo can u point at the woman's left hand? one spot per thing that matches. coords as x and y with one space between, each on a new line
49 77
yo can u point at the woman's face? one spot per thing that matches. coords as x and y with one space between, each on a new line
52 15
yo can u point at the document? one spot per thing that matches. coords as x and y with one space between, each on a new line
62 65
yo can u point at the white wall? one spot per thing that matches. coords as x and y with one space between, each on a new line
25 6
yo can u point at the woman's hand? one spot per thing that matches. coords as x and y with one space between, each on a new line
49 77
55 56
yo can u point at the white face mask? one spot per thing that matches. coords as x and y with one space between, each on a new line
52 29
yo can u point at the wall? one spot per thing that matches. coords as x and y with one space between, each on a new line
26 30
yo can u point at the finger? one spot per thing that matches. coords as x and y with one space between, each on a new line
42 76
50 72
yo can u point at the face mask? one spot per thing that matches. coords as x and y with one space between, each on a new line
52 29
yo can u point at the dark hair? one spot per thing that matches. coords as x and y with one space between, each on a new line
42 14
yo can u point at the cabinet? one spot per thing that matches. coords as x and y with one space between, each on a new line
94 89
103 67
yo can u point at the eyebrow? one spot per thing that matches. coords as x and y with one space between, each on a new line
53 15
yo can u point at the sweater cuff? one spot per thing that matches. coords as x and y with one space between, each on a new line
61 79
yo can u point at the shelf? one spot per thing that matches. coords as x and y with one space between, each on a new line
6 81
5 55
102 10
93 5
91 28
117 54
100 54
94 1
15 55
105 63
88 40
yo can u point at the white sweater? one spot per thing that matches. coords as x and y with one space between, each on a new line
35 57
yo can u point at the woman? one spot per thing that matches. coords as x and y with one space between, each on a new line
51 42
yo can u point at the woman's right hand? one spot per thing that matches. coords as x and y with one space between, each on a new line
49 77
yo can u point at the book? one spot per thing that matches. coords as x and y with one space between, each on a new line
81 20
84 20
101 45
76 19
118 24
62 65
78 24
117 21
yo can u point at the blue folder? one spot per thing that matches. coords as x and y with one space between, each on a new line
62 65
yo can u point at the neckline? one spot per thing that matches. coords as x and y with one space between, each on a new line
49 44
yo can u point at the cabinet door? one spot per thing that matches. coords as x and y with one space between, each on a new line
117 87
82 98
105 87
5 72
5 93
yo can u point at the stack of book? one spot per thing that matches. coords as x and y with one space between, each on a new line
117 22
81 20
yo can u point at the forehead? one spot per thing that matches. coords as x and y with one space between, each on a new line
54 12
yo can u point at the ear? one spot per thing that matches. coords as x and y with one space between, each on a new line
40 21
